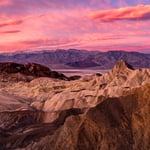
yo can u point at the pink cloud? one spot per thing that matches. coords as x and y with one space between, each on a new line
5 2
10 32
102 44
139 48
69 28
11 22
140 12
38 44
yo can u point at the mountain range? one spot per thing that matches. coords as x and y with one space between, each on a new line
65 59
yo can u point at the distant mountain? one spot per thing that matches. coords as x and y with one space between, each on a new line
79 58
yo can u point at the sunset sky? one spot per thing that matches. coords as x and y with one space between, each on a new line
80 24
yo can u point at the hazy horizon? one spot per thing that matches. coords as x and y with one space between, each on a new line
38 51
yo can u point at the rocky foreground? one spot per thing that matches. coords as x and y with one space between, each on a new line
108 112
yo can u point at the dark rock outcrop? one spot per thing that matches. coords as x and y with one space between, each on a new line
76 77
27 72
18 129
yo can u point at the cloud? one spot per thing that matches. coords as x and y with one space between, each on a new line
5 2
38 44
136 48
47 42
44 27
140 12
9 32
11 22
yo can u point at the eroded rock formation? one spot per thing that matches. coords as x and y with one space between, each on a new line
10 71
108 112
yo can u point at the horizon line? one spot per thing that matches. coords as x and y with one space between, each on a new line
32 51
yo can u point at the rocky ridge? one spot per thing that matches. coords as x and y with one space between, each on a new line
114 124
10 71
94 112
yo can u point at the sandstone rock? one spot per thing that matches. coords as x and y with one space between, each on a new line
108 112
114 124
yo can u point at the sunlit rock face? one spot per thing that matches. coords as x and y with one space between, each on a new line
93 112
115 123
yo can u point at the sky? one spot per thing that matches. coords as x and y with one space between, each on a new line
75 24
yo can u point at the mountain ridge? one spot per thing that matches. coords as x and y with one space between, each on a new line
73 58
